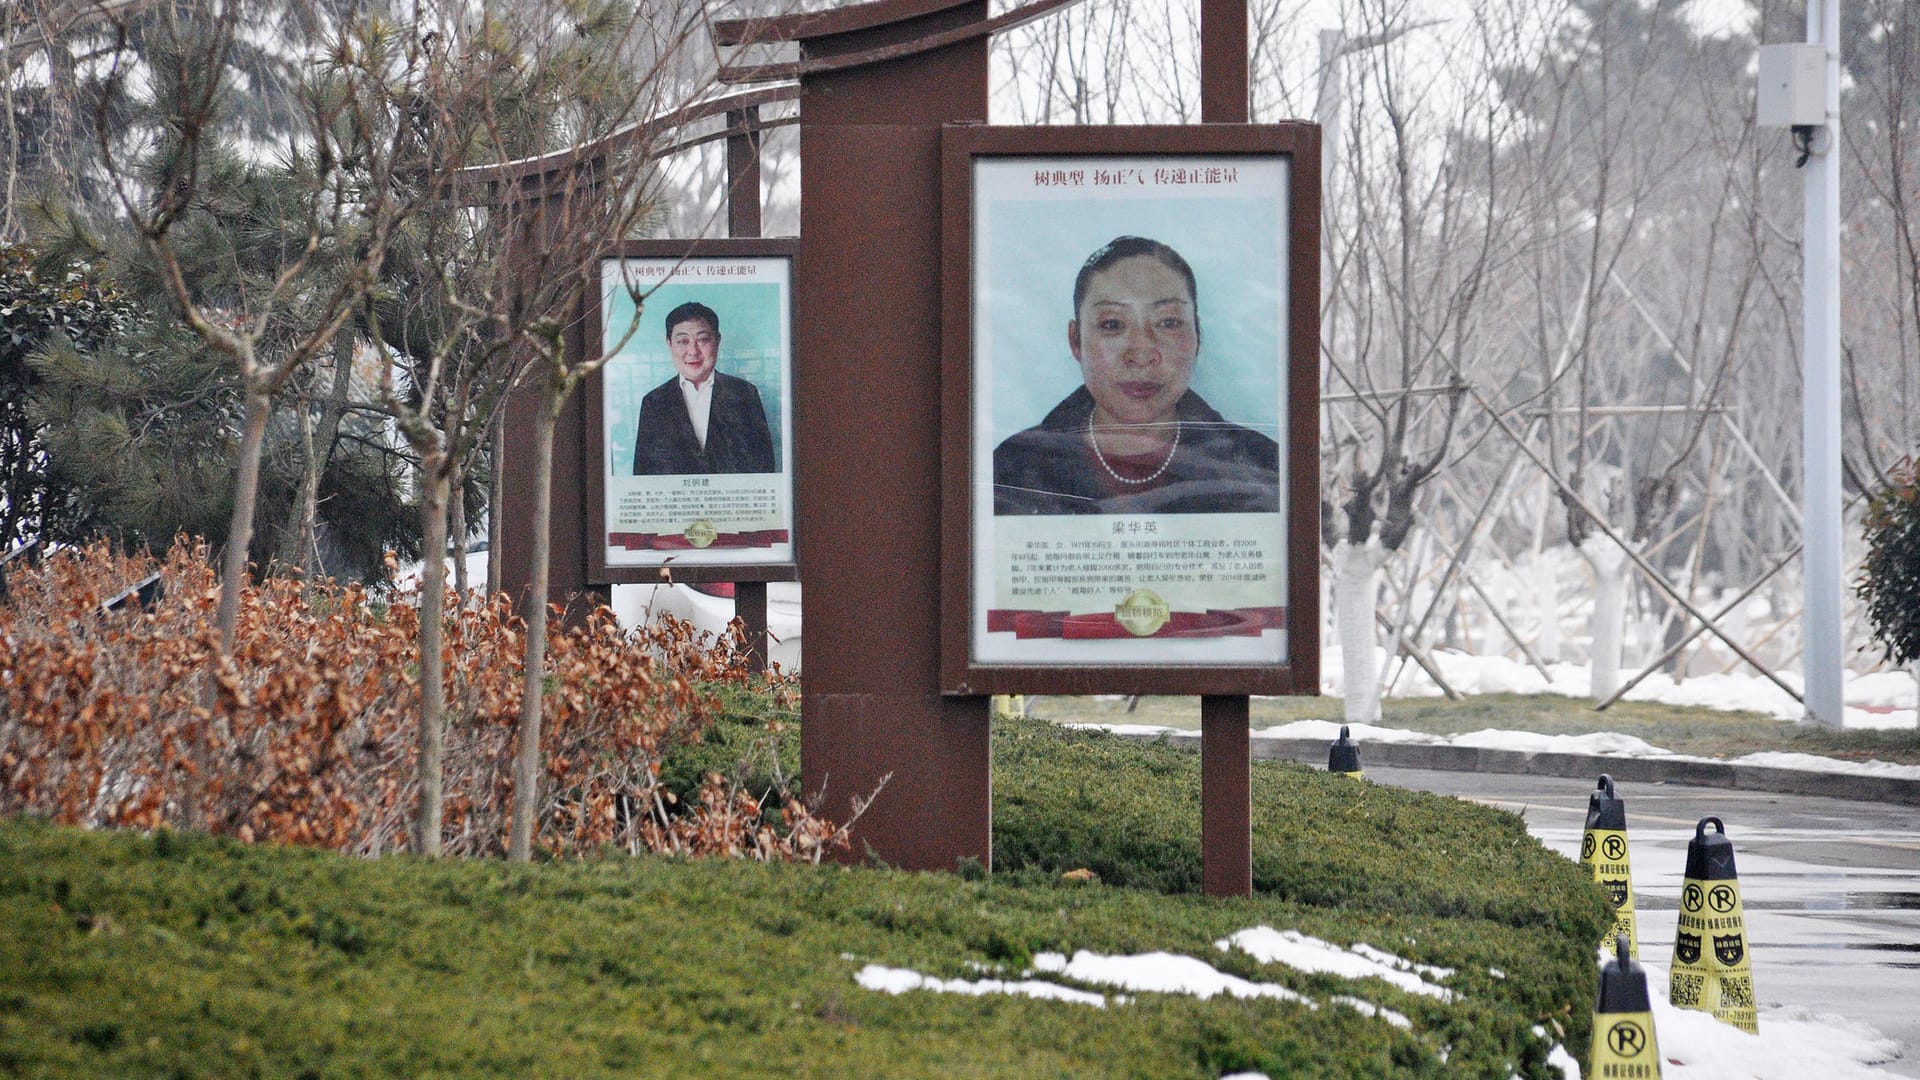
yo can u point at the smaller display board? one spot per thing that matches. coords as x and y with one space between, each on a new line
693 414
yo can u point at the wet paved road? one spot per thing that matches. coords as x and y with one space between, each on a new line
1831 887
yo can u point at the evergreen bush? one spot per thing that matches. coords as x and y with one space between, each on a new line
1890 577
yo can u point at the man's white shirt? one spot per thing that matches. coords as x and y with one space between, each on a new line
699 399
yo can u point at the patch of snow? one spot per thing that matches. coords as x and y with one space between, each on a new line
1887 718
1304 953
1433 971
1793 1042
890 980
1883 699
407 578
1603 742
1883 690
1160 972
1368 1008
1815 763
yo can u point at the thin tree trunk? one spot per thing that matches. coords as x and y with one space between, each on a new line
457 511
526 758
1356 590
233 578
296 538
303 549
433 705
246 490
496 496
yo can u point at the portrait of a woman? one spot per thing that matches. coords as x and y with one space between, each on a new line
1135 438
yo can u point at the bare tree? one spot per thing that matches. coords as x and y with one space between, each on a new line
1408 270
1637 336
272 312
1881 48
536 131
451 189
1100 62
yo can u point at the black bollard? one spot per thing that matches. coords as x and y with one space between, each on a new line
1343 756
1711 969
1624 1047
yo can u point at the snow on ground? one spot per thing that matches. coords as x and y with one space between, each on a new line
1884 699
1297 950
1170 973
1601 744
1604 744
1160 973
901 980
1793 1043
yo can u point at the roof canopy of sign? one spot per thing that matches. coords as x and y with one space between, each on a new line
530 177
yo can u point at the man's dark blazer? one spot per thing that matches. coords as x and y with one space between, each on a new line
737 437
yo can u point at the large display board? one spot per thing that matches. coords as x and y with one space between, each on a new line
1131 453
693 419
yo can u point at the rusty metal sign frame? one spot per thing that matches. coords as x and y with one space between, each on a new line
1299 673
687 570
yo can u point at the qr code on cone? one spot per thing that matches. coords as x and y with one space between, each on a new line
1686 990
1737 991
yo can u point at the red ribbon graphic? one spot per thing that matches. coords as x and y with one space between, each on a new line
1217 622
677 542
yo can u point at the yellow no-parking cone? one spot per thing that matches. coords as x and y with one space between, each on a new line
1624 1047
1603 850
1343 756
1711 969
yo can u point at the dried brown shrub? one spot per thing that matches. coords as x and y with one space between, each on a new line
107 719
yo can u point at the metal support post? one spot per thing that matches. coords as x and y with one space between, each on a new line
1823 517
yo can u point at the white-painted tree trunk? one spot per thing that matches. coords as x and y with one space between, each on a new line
1546 583
1607 624
1546 596
1356 591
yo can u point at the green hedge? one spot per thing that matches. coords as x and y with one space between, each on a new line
165 955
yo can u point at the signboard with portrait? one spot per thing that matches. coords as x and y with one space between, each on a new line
1134 332
695 413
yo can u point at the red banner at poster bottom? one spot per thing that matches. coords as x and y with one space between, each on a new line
1219 622
677 542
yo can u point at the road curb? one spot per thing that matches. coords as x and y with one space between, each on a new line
1639 770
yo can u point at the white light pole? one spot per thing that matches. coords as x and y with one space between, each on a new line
1821 364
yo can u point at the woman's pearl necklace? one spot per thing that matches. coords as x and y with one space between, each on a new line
1155 475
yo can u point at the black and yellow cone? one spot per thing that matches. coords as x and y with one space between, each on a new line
1343 756
1711 969
1624 1047
1603 850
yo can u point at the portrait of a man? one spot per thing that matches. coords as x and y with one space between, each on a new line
701 420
